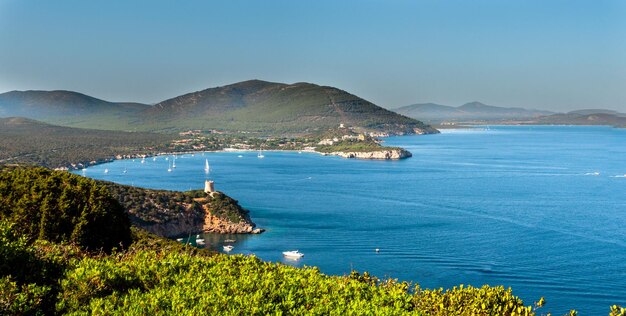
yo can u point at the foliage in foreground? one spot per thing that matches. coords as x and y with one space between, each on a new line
62 207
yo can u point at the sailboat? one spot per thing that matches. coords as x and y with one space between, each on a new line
206 166
260 155
106 170
174 162
143 160
169 169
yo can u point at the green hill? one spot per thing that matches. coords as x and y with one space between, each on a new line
69 108
260 107
265 107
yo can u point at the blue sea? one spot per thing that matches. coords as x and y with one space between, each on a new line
541 209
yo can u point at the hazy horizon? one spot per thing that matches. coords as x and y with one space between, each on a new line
558 55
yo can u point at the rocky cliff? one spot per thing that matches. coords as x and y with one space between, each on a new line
171 213
383 154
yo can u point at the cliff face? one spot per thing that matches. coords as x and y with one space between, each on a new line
386 154
170 213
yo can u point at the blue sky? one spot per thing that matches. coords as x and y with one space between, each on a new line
548 54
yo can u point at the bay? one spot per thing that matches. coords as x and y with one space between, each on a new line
541 209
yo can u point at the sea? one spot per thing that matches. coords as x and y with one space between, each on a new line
540 209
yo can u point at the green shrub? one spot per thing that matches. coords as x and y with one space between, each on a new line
61 207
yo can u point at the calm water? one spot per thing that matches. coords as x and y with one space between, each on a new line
514 206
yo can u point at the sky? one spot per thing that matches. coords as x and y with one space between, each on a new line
557 55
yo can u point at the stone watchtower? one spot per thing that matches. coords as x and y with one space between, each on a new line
209 186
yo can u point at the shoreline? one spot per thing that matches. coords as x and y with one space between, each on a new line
81 165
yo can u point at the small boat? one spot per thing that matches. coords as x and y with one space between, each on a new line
240 156
260 154
197 236
179 239
229 240
206 166
143 160
153 158
106 170
293 254
228 248
377 250
124 172
200 241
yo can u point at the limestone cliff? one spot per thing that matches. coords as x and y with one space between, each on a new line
383 154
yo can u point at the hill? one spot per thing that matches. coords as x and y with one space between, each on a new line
472 111
69 108
28 141
266 107
256 106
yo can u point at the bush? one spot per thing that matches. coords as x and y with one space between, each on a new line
61 207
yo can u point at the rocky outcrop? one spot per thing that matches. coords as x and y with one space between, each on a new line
173 214
383 154
214 224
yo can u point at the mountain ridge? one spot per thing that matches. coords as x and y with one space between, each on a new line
252 106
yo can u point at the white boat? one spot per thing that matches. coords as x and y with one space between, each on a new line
228 248
179 239
294 254
124 172
200 241
260 155
169 169
197 236
143 160
240 156
206 166
174 162
106 170
153 158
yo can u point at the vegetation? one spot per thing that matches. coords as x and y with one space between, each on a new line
226 208
353 146
62 207
147 207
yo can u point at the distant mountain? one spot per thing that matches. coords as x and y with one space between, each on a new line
473 111
67 108
597 111
574 118
250 106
